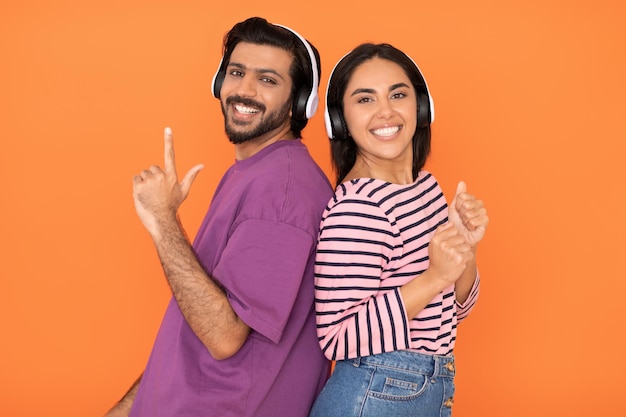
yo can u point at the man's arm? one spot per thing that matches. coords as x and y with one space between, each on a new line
158 195
203 303
123 406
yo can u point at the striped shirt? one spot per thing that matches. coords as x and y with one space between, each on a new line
373 239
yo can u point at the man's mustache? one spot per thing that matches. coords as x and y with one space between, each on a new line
245 101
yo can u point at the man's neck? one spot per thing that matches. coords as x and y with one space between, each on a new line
251 147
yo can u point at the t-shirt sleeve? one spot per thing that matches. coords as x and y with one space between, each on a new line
262 269
464 309
357 314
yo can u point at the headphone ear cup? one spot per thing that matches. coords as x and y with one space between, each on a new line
217 84
218 79
423 110
337 125
299 104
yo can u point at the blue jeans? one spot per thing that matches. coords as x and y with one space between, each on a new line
392 384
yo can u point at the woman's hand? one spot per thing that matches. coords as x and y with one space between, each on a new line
468 215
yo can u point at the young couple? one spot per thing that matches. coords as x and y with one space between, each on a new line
266 295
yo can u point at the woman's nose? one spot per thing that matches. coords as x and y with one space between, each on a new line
385 108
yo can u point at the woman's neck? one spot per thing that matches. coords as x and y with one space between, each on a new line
389 171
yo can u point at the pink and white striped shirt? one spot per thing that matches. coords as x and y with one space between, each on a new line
373 239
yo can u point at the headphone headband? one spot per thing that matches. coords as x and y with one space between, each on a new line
312 98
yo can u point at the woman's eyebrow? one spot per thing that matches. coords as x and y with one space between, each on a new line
363 90
398 85
372 91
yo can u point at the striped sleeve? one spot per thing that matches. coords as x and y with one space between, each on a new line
464 309
357 314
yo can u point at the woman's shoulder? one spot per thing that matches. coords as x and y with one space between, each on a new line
426 176
362 189
373 189
356 203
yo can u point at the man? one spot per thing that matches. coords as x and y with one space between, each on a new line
238 337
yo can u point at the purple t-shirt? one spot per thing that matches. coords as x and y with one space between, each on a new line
258 241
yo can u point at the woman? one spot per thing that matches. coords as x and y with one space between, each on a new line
395 267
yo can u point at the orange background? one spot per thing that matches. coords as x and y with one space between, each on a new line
530 101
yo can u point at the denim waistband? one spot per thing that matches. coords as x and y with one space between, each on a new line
432 365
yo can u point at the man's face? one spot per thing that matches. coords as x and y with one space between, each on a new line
256 92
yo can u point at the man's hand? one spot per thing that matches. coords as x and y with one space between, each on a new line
157 192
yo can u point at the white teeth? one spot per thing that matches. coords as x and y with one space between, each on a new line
386 131
244 109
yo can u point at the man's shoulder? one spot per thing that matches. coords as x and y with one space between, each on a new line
291 163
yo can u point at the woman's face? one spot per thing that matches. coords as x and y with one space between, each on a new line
380 110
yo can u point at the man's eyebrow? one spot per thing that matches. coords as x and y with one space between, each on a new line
372 91
257 70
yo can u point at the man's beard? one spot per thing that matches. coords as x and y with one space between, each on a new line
268 122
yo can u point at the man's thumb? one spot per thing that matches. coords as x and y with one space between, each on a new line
185 184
